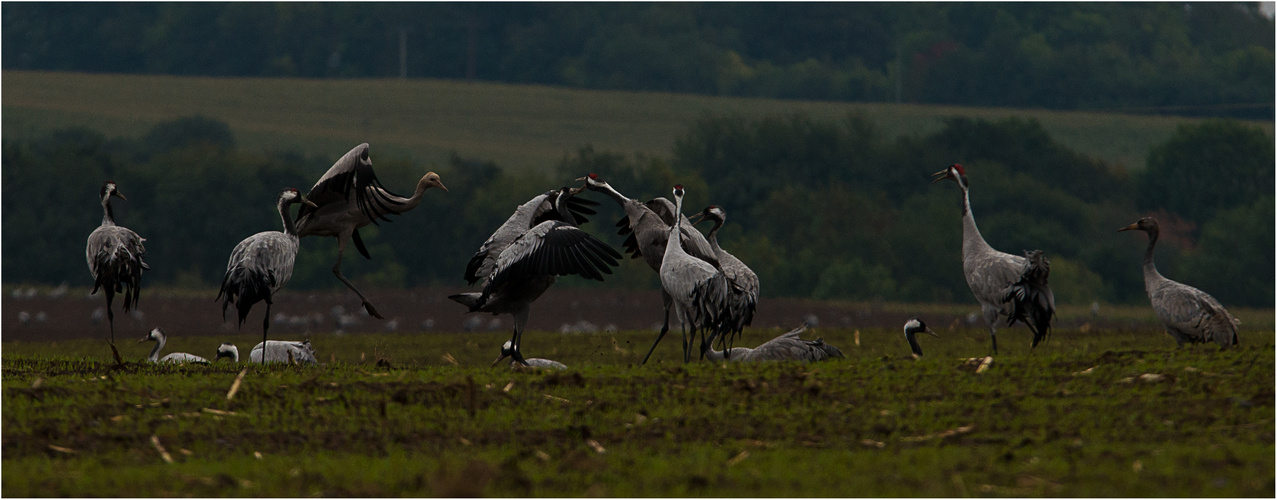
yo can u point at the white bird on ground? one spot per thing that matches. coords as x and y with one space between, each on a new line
278 351
786 347
507 351
347 197
158 336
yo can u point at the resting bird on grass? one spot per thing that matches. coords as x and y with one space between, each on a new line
520 261
115 254
913 327
1190 315
160 338
507 351
261 264
347 197
279 351
1004 284
787 347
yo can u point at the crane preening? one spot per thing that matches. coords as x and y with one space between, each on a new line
115 254
520 261
1004 284
347 197
262 264
1190 315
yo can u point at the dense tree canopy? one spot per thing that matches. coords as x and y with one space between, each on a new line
1211 58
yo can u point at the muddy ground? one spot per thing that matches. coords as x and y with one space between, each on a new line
72 315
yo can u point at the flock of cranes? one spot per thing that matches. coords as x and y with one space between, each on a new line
711 292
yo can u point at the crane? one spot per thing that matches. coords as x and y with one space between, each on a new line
347 197
279 351
1004 284
913 327
697 289
158 336
520 261
115 256
648 227
786 347
743 298
262 264
1190 315
507 351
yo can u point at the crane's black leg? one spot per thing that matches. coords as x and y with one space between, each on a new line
664 328
265 326
337 271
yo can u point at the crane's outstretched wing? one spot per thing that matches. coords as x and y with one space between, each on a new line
553 248
351 175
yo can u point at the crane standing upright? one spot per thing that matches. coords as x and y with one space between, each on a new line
743 299
115 255
262 264
697 289
520 261
1004 284
347 197
1190 315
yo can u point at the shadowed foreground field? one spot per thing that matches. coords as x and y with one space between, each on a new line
1120 413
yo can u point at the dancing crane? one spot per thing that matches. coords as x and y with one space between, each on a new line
115 254
1190 315
1004 284
262 264
743 299
697 289
349 197
520 261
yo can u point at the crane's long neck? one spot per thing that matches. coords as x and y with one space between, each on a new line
913 342
290 228
402 204
611 192
1150 269
155 353
108 215
972 241
674 244
713 233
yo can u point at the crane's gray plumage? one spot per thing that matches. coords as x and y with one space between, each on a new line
158 336
507 351
115 256
347 197
262 264
521 259
699 291
1190 315
913 327
278 351
787 347
743 281
1004 284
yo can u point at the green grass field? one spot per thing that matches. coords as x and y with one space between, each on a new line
1091 413
517 126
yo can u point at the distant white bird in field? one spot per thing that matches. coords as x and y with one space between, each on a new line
786 347
347 197
158 336
507 351
278 351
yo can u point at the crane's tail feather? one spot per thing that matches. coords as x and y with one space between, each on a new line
1031 299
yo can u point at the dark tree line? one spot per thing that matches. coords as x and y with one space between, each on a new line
1212 59
829 209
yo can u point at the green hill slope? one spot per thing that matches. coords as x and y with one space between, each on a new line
518 126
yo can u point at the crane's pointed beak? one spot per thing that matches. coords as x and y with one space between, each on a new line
441 186
939 176
308 202
1130 227
931 332
144 339
118 195
696 219
498 360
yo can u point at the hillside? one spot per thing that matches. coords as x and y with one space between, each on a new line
522 126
